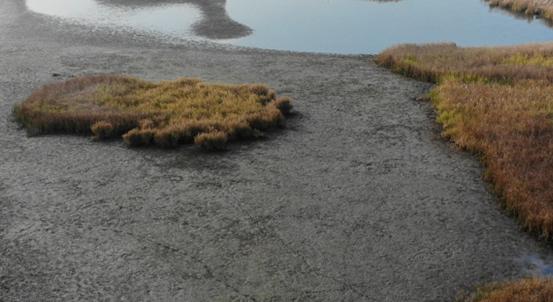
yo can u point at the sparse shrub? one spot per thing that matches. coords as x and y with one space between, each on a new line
212 141
165 114
102 130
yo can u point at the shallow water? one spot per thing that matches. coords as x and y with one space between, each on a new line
345 26
537 266
170 19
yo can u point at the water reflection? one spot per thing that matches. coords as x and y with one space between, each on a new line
335 26
537 266
356 26
520 15
214 22
172 20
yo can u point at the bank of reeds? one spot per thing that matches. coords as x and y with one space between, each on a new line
525 290
541 8
497 102
167 113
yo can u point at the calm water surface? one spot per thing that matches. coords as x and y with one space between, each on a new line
335 26
169 19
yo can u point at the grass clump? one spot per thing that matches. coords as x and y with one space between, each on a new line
215 140
497 102
525 290
143 113
102 130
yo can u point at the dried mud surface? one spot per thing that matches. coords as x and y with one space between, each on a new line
357 200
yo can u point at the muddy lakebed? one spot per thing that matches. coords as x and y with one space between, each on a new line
358 199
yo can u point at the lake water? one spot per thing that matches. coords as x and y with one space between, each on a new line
330 26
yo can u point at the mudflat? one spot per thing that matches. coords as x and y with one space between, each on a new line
358 200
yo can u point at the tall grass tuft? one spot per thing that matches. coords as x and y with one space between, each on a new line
143 113
102 130
215 140
497 102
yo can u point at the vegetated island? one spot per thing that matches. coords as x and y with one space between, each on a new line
498 103
166 114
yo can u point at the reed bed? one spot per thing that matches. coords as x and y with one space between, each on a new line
431 62
497 102
525 290
167 114
541 8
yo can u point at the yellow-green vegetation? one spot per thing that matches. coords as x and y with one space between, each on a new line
525 290
542 8
167 113
433 62
497 102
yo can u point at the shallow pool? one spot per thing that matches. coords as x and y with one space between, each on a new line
333 26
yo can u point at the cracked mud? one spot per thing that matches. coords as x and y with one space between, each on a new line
358 200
